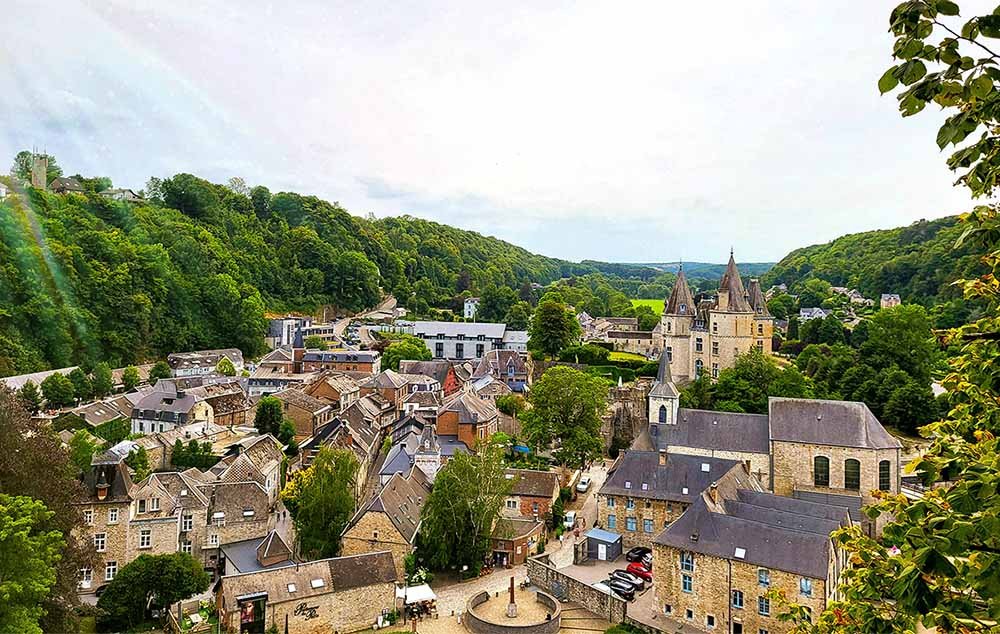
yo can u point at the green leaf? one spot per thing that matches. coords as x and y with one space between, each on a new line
945 135
913 71
887 81
981 86
947 7
989 25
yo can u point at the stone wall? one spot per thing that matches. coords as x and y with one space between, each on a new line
116 539
626 413
481 626
348 611
372 533
713 583
560 585
662 513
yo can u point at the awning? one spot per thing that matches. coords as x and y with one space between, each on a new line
416 594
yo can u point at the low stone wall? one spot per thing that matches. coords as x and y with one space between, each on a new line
481 626
560 585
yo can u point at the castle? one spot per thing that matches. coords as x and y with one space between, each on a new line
708 335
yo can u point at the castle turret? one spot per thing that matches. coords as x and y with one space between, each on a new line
679 314
756 299
663 398
732 295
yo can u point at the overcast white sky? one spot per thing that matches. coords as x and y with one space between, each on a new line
602 130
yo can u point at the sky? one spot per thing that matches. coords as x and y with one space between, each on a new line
628 132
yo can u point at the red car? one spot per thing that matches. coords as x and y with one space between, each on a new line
640 571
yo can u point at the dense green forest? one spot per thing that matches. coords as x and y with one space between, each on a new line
85 279
919 262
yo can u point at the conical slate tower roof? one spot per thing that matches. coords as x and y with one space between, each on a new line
732 285
680 301
757 301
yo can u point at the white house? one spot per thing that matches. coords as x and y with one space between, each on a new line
471 306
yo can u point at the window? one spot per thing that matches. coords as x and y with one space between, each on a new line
764 577
213 540
511 504
821 471
737 628
628 484
760 327
763 606
316 583
611 503
689 614
645 487
699 365
663 413
630 523
479 350
667 608
761 631
715 348
110 570
715 326
100 542
760 345
86 577
805 587
612 522
668 326
460 350
647 526
687 584
439 349
715 370
884 475
112 516
88 517
670 354
142 506
738 599
187 522
291 587
687 561
145 539
699 345
186 547
629 503
852 474
709 621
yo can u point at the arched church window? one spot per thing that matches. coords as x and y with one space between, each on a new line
699 365
663 413
821 471
852 474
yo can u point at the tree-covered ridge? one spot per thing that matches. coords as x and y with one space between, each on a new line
919 262
85 279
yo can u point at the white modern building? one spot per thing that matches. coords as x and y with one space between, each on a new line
471 306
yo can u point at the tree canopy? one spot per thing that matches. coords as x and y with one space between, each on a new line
156 581
322 501
29 551
567 405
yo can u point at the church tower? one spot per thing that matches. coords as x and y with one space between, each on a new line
663 398
678 316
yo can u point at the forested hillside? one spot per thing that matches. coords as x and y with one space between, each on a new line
86 279
919 262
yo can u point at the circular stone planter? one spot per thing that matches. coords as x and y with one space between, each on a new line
487 614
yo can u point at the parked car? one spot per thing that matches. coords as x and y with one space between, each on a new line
637 569
638 553
624 589
625 575
584 484
570 520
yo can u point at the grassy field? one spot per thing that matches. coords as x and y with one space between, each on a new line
655 304
626 356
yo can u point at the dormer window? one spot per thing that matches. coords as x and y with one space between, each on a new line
628 484
248 513
645 486
142 506
683 309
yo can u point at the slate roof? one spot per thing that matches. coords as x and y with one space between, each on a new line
532 483
204 358
774 532
246 555
338 574
837 423
704 429
166 403
757 301
470 408
401 499
664 385
732 285
432 329
664 482
100 412
680 296
301 400
341 356
386 379
424 398
437 370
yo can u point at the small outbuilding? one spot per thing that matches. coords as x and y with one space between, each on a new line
603 545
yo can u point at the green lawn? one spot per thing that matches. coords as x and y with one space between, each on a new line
626 356
655 304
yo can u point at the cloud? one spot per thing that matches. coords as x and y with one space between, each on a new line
644 132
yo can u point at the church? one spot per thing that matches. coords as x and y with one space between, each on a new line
708 335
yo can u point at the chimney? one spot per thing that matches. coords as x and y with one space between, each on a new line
713 492
663 457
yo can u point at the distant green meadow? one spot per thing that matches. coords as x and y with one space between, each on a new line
655 304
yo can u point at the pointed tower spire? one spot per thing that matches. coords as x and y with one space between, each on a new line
757 301
680 301
732 286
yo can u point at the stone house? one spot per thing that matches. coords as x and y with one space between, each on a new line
367 361
307 413
645 491
644 343
422 403
255 554
489 388
202 362
65 185
515 539
372 410
507 366
391 386
390 521
716 564
105 509
468 418
532 493
888 300
165 407
231 406
343 594
340 390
